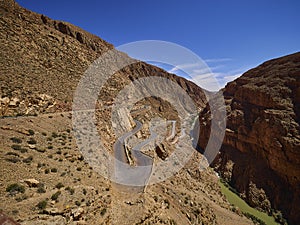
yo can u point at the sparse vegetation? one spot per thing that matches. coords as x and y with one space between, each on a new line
13 154
13 160
41 189
16 140
234 199
19 148
31 141
21 198
58 152
42 204
103 211
31 132
71 190
53 170
40 150
40 165
59 185
15 188
16 147
28 159
55 196
49 139
279 218
63 174
254 219
77 203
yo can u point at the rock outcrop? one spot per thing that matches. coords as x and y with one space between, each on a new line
260 156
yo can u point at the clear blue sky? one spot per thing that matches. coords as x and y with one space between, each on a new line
232 36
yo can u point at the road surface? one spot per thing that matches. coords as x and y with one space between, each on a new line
132 175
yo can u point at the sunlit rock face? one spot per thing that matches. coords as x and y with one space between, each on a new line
261 149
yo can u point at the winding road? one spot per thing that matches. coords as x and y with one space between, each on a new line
132 175
138 175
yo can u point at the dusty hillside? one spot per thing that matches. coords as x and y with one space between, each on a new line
42 61
44 177
260 155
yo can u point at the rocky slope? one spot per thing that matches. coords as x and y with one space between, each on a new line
44 178
42 61
260 156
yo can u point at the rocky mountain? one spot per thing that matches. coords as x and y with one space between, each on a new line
48 59
44 179
260 155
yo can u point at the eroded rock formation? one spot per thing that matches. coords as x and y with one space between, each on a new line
260 155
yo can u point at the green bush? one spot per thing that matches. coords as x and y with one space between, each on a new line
77 203
254 219
13 154
31 141
55 196
16 147
49 139
54 135
31 132
279 218
59 152
42 205
103 211
71 190
16 140
13 160
41 189
53 170
15 188
59 185
40 150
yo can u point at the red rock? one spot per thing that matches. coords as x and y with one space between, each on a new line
262 140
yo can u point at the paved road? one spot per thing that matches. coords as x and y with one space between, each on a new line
135 175
173 130
141 158
132 175
119 149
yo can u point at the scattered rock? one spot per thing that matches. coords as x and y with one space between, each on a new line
32 182
77 213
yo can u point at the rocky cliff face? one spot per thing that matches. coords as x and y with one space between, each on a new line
260 155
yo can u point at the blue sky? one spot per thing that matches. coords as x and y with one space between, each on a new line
231 36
